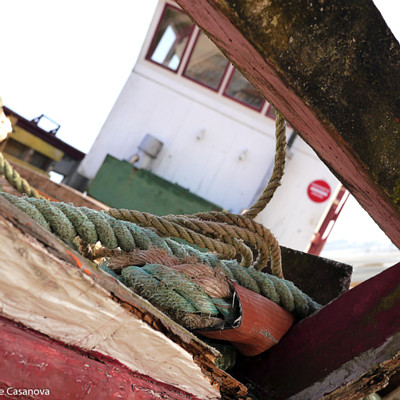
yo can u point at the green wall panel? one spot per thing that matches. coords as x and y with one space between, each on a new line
120 185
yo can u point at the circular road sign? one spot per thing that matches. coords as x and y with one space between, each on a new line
319 191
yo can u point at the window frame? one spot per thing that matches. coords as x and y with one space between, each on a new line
153 39
259 109
191 51
187 53
268 110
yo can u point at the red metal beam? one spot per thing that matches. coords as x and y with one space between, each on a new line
347 339
321 236
333 70
49 369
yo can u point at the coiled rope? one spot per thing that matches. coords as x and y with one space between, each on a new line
68 222
242 247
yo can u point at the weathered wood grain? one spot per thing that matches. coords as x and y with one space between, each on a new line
31 361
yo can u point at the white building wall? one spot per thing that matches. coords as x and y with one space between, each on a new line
218 157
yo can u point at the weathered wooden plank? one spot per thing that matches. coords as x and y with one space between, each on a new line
331 353
371 382
333 70
320 278
48 287
33 365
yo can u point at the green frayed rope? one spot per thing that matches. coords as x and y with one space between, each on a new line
177 295
16 179
68 222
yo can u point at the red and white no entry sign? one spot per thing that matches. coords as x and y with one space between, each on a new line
319 191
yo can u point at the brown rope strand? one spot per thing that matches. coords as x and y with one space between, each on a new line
169 229
226 227
277 173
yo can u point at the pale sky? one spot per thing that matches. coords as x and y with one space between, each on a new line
70 59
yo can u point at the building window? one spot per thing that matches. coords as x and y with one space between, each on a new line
16 149
171 38
240 89
204 63
40 161
271 112
207 65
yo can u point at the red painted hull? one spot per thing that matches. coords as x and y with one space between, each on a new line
41 368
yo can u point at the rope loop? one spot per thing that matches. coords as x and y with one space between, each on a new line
277 172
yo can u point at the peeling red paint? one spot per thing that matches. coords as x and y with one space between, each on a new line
30 360
78 262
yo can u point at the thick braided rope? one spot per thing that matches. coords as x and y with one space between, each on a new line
68 221
179 296
166 287
226 225
277 173
229 234
206 237
166 228
264 236
16 180
250 239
